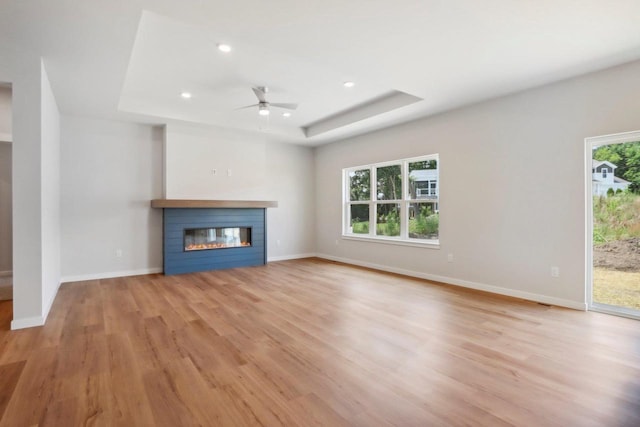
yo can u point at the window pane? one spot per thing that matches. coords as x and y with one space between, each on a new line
359 219
360 185
389 183
423 180
388 219
423 221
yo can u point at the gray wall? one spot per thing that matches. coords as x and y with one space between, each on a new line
512 186
260 170
110 172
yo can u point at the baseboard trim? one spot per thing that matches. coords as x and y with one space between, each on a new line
463 283
6 273
27 322
111 275
288 257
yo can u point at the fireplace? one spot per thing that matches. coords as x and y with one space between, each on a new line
203 235
202 239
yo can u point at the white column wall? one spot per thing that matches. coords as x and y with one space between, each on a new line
50 176
23 71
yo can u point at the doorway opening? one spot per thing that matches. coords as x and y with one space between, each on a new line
6 205
613 224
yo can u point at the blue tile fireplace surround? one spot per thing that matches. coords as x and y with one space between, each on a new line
203 235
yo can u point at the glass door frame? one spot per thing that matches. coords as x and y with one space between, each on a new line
590 143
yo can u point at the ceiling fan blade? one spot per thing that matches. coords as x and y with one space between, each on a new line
259 94
285 105
248 106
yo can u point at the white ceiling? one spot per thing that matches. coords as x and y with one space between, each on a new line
130 59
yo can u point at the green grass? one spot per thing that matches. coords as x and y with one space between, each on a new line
384 229
616 217
418 227
361 227
424 226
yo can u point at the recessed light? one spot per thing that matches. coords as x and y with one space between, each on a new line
286 114
349 84
224 47
186 95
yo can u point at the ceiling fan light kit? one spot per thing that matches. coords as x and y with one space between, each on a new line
222 47
264 105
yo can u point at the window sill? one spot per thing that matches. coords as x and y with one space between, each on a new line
431 244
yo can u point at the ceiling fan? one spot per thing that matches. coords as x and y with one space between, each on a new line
263 105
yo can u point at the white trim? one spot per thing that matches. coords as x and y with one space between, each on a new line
590 143
31 322
588 212
615 310
6 273
110 275
616 138
6 137
27 322
288 257
545 299
427 244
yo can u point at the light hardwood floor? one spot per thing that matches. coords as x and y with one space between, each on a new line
310 342
6 287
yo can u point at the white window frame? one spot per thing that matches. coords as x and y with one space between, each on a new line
404 203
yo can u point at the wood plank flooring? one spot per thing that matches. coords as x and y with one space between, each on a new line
6 288
313 343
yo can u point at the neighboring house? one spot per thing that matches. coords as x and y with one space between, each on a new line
424 186
603 177
425 183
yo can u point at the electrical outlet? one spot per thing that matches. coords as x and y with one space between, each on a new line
337 242
277 242
118 253
214 172
555 271
450 258
228 172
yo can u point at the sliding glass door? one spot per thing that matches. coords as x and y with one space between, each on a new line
613 217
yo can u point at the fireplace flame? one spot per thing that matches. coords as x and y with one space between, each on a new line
216 245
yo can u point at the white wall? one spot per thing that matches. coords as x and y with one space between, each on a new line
512 186
50 176
260 170
110 173
22 70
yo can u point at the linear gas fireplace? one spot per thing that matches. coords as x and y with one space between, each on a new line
202 239
195 230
